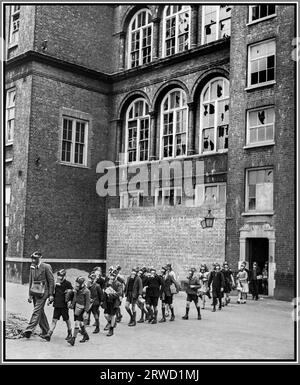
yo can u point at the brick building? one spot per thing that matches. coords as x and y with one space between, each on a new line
208 89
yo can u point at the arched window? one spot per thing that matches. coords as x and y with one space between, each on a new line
137 131
176 29
140 39
174 124
216 22
214 116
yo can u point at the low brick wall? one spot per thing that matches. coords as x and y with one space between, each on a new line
154 237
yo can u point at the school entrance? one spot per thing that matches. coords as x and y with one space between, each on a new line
257 244
257 250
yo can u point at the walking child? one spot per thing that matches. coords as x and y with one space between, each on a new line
81 305
133 292
242 284
62 291
96 300
192 286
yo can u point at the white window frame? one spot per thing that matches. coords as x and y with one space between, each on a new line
264 142
216 117
256 212
262 18
15 10
174 110
7 209
164 190
8 109
217 23
139 118
262 57
85 147
176 15
124 197
142 30
203 187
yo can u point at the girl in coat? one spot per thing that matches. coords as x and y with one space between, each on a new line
217 282
242 284
229 283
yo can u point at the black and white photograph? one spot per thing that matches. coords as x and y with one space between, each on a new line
149 184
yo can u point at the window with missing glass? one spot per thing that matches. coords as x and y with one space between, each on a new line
261 63
176 25
14 24
260 126
214 116
174 124
74 141
140 39
261 12
216 22
137 132
259 190
168 196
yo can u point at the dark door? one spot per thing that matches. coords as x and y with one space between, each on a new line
257 250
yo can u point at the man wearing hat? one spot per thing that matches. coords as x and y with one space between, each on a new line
133 292
41 287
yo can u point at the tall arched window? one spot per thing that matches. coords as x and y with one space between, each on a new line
176 29
174 124
137 131
140 39
214 116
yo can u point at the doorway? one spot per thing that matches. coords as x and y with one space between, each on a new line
257 250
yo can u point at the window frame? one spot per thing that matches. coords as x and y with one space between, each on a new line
163 189
73 141
176 15
250 22
265 142
7 210
249 85
123 194
204 185
215 151
256 212
7 109
142 28
13 41
217 23
139 118
186 107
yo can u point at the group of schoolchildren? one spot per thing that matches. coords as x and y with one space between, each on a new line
142 290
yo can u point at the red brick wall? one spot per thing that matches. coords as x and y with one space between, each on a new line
154 237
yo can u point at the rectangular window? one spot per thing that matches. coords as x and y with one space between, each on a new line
216 22
259 12
74 141
210 193
131 199
7 205
10 115
260 125
261 63
14 24
259 190
168 196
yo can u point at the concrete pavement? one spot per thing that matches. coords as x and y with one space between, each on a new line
261 329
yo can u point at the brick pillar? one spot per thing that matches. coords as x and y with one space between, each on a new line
155 46
122 51
153 135
194 26
119 140
191 129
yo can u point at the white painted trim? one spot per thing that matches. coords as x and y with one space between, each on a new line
251 22
255 213
257 144
249 86
56 260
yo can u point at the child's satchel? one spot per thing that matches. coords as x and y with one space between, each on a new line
38 289
79 309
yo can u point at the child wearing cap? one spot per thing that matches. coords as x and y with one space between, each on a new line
81 305
133 292
153 285
96 299
62 291
192 286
